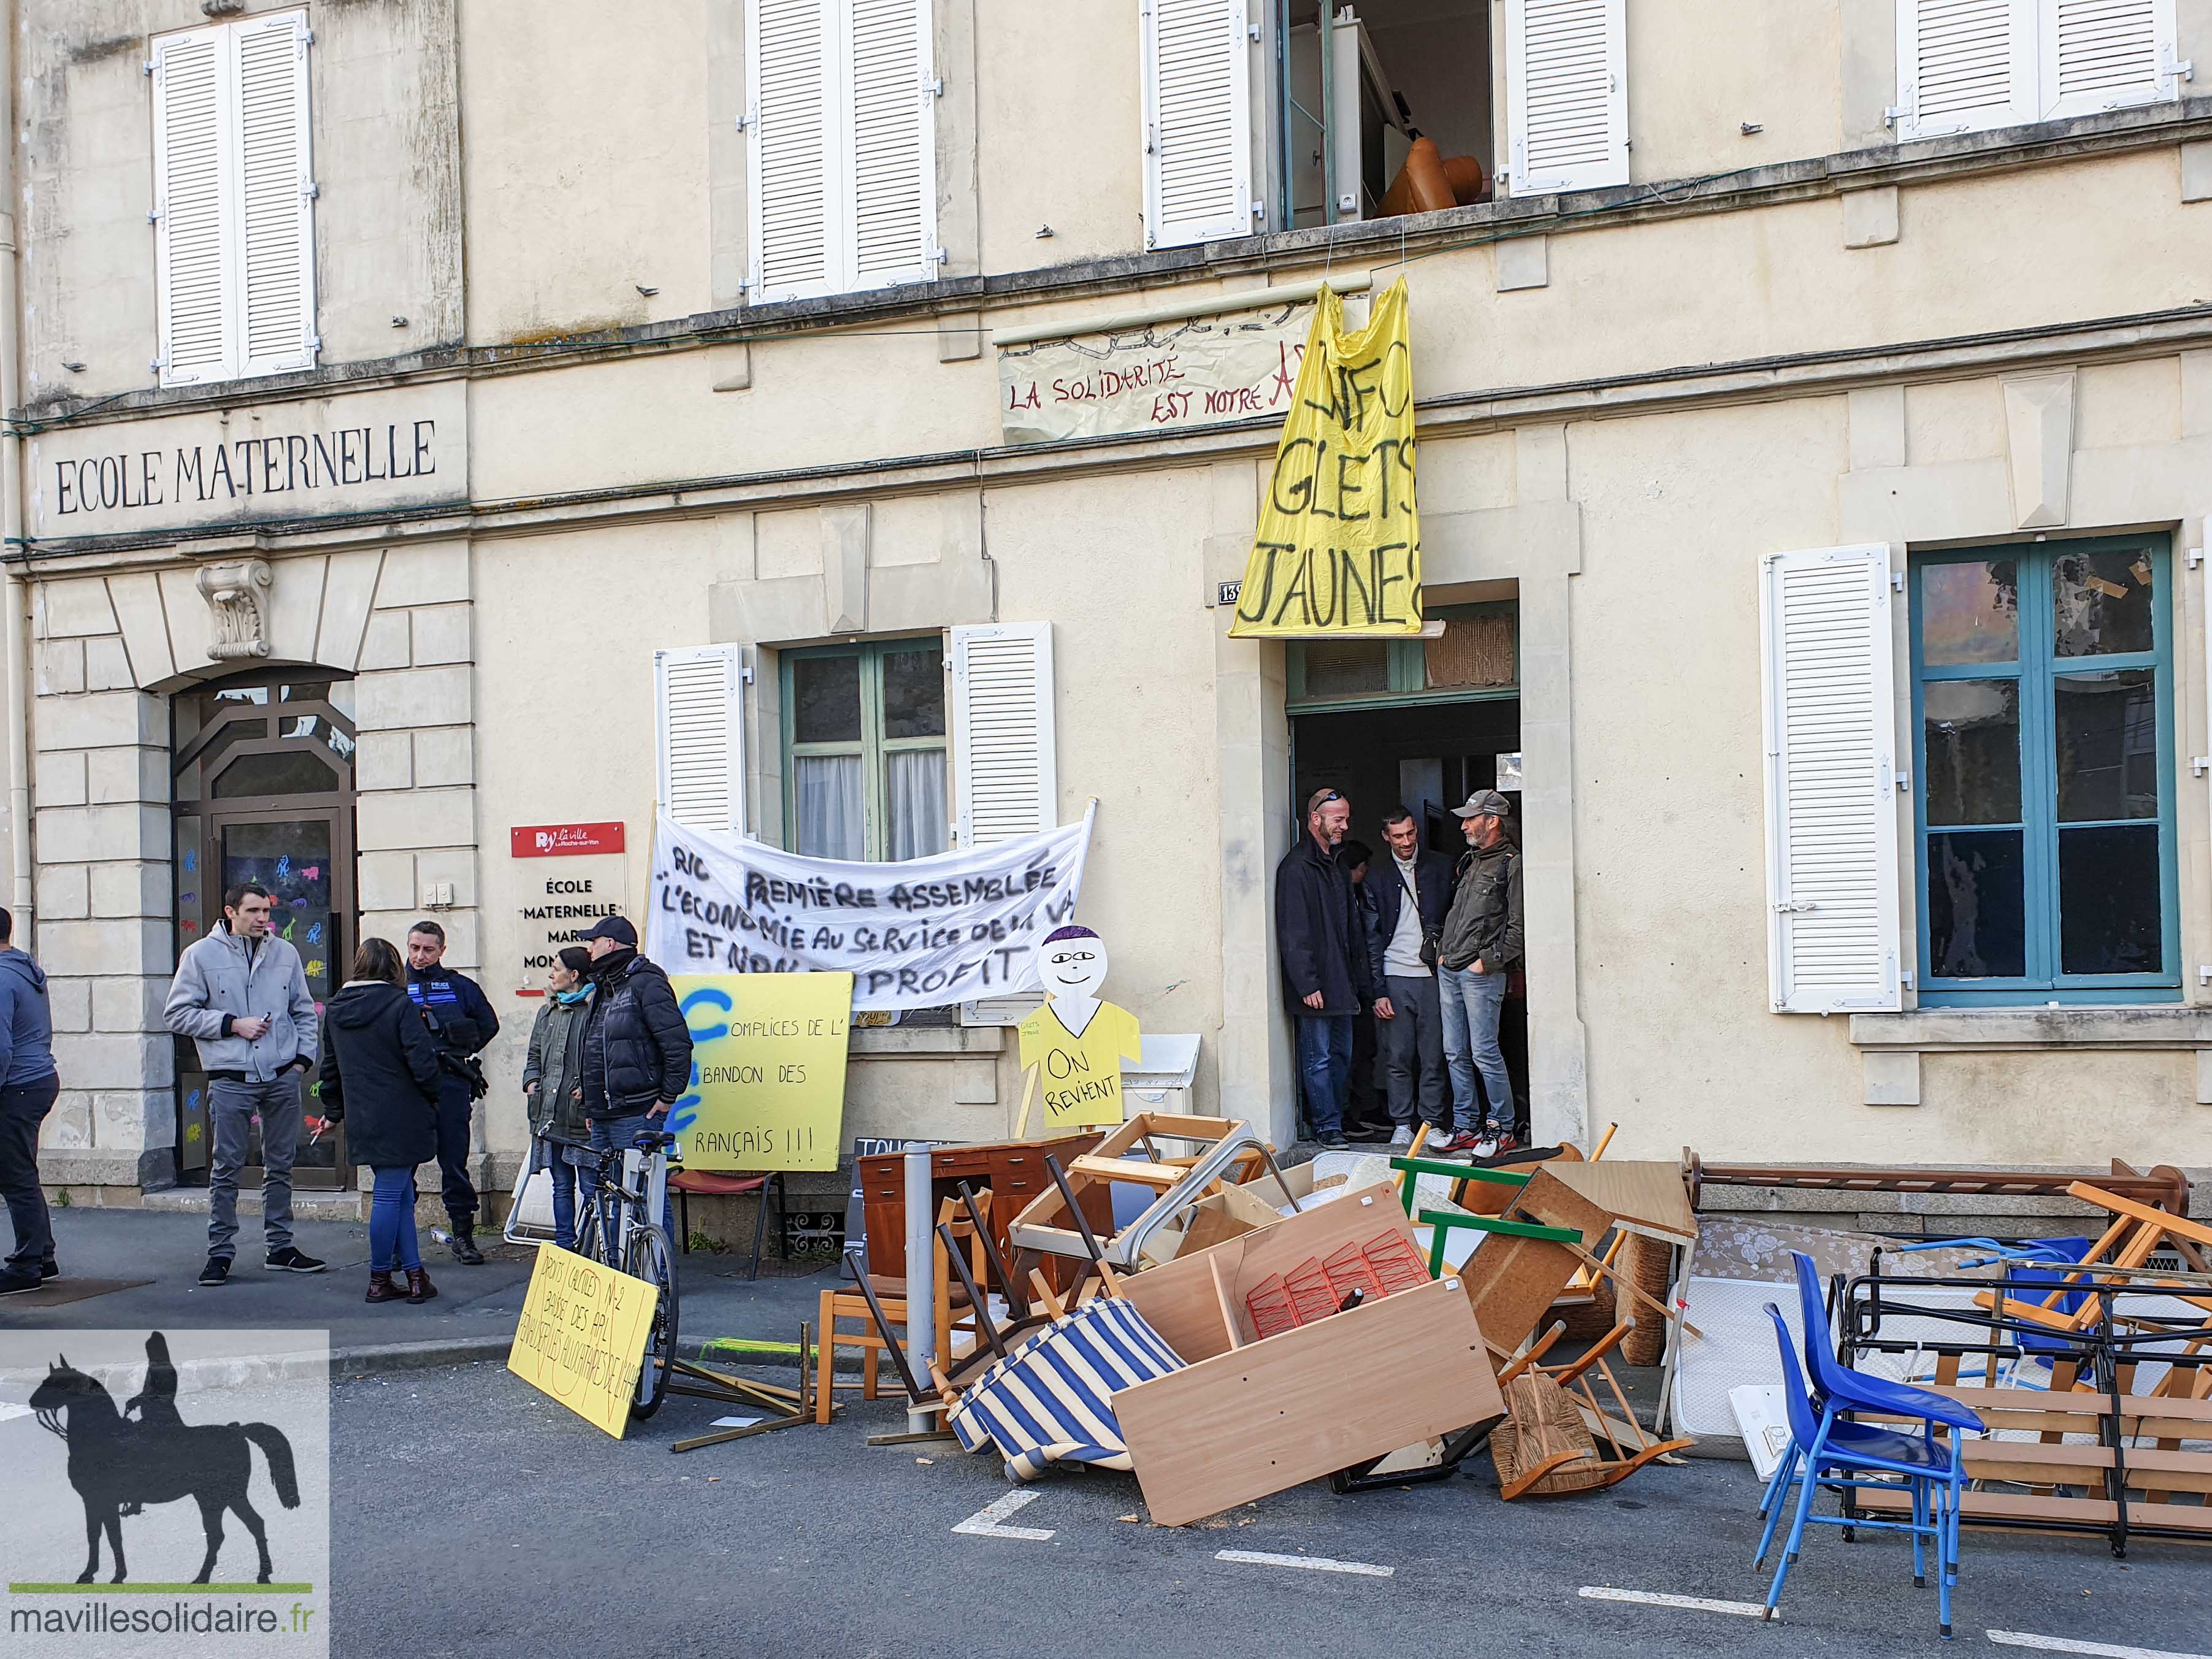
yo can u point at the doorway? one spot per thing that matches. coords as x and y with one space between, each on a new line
1425 725
262 783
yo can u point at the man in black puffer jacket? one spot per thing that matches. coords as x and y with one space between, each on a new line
637 1048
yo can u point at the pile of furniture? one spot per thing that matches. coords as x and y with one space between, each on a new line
1248 1329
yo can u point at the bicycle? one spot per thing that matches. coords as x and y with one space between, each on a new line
620 1215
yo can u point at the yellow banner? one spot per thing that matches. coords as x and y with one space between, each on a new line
581 1337
767 1069
1339 547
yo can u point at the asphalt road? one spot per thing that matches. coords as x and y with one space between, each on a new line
474 1516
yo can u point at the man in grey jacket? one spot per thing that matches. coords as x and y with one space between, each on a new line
241 995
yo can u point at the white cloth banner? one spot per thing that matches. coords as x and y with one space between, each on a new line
947 928
1194 371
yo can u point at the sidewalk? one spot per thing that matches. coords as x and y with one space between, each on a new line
473 1317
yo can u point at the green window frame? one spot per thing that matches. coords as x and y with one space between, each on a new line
2071 644
1405 665
876 676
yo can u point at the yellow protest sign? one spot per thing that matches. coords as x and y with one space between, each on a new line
1079 1071
1338 546
767 1069
581 1337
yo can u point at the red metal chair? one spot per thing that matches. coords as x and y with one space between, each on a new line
706 1183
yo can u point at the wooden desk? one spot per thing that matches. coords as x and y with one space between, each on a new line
1012 1170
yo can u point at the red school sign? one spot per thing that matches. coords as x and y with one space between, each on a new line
549 840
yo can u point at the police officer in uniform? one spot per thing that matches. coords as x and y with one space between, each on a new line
461 1022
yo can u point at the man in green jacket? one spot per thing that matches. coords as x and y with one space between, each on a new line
553 1085
1480 949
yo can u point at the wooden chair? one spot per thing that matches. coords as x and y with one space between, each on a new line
709 1182
971 1229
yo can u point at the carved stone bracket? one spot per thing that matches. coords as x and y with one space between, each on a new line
234 591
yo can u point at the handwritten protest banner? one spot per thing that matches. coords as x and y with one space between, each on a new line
1338 546
930 931
581 1337
767 1069
1157 377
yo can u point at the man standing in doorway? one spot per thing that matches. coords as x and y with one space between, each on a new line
1480 949
461 1022
1412 895
241 995
1323 951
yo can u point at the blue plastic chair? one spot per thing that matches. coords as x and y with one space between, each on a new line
1826 1449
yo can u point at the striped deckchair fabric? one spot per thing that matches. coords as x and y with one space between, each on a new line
1052 1397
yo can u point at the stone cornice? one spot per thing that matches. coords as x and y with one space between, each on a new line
921 305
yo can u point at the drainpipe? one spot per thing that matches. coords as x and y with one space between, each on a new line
14 621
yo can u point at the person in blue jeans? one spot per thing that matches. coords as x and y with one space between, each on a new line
1480 948
553 1087
1322 943
637 1046
380 1071
28 1085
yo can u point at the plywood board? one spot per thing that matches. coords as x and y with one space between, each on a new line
1549 1200
1647 1198
1177 1299
1511 1284
1310 1402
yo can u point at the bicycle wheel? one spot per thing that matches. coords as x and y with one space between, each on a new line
647 1258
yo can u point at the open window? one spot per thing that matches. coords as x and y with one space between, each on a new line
1360 86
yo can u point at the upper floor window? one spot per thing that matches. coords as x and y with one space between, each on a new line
842 173
233 192
2044 700
1966 65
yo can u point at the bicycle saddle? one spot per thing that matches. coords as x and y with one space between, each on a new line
655 1140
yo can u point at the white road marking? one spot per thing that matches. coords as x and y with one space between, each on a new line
1311 1563
1694 1603
2019 1639
985 1522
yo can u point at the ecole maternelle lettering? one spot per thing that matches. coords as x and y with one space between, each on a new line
242 467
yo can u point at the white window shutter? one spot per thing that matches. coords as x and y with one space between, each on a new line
791 56
193 256
1567 95
891 143
1198 130
1830 721
1005 774
2104 54
1964 65
275 212
700 709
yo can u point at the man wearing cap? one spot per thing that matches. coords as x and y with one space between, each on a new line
461 1021
1322 942
1480 948
637 1044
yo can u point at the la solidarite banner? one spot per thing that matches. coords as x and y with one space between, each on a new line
947 928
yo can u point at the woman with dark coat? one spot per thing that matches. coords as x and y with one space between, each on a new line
379 1072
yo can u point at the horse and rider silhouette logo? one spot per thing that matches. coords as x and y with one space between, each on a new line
121 1461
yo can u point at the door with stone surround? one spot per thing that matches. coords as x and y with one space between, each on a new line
263 792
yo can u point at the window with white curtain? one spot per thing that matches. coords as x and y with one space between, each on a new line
864 750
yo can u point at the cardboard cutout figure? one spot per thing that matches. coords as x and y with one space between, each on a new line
1075 1044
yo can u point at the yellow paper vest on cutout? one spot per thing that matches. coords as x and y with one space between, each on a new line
582 1334
1338 546
1080 1077
767 1069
